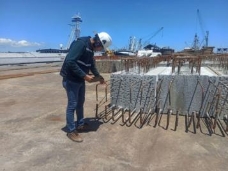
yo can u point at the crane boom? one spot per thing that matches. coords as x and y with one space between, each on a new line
205 36
148 40
160 29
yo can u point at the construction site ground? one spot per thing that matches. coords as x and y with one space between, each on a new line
33 137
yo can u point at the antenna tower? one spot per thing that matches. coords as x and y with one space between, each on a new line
75 30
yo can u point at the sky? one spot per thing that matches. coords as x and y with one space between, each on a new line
29 25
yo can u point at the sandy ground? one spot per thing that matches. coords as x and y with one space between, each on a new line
32 137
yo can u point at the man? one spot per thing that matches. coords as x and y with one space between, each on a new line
75 71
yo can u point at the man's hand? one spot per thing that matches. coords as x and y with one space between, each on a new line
94 79
102 81
88 78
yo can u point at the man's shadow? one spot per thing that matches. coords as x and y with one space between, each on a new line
93 123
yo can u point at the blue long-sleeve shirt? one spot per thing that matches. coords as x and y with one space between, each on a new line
79 61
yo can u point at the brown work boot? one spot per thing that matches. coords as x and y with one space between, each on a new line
83 128
74 136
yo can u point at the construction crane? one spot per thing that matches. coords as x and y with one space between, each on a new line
140 45
205 35
196 45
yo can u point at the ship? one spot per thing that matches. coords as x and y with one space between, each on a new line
203 51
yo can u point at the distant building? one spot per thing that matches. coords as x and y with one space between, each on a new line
52 50
222 50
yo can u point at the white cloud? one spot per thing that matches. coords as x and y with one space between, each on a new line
21 43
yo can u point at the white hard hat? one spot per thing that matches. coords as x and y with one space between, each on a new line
105 39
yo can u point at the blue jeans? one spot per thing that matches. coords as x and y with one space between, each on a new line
76 98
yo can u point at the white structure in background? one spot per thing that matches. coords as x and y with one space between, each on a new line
132 44
75 30
61 46
144 49
147 53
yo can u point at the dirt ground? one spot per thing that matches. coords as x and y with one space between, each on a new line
32 137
